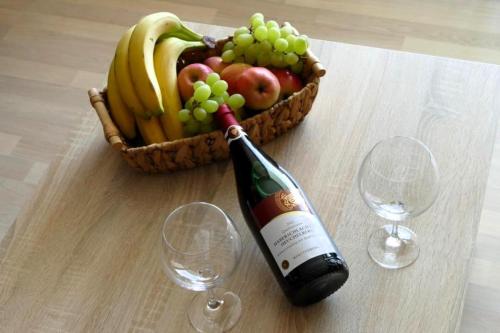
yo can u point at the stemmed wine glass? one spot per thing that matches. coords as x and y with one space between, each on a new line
200 249
398 179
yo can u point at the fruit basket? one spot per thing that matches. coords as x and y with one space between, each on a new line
206 148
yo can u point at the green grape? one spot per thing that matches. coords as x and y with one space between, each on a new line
225 95
244 40
291 41
239 60
189 103
207 127
280 44
212 78
228 46
241 30
239 50
264 59
192 127
273 34
285 31
184 115
282 63
250 59
210 105
252 50
219 88
251 54
236 101
199 114
297 68
277 59
218 99
208 119
291 58
260 33
228 56
272 24
202 93
257 22
265 47
300 45
198 84
256 15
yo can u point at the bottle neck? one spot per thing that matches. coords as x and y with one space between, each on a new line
225 118
228 124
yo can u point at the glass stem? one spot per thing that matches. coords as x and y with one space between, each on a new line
394 231
213 309
213 302
393 242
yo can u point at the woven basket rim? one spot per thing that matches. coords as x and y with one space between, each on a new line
191 139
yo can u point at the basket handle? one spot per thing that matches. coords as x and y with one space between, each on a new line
316 67
111 133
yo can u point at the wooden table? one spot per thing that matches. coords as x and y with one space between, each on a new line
83 256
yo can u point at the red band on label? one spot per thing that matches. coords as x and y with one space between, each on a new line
276 204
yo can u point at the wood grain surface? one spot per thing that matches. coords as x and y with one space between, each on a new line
52 51
83 255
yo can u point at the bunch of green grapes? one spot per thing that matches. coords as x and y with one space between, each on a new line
197 115
266 44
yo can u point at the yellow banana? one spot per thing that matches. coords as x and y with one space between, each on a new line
124 78
185 33
123 118
140 53
151 130
165 62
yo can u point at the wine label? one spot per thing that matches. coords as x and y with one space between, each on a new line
292 233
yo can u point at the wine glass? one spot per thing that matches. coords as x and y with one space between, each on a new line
200 249
398 179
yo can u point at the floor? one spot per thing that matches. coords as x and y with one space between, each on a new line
51 51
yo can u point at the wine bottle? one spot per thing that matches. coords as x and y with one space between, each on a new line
301 254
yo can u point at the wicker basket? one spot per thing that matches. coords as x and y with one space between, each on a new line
206 148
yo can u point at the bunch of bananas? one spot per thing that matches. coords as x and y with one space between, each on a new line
142 79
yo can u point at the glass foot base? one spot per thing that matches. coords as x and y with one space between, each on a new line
391 252
219 318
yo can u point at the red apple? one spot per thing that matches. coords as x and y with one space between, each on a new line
231 74
289 82
260 88
188 76
216 64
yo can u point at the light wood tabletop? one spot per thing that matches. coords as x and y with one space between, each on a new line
83 256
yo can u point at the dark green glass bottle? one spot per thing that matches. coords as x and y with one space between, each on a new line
290 234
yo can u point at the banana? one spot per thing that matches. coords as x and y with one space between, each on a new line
124 78
122 92
123 118
165 63
185 33
151 130
140 53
